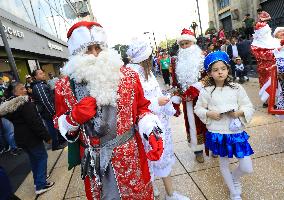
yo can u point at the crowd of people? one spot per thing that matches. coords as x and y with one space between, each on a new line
115 116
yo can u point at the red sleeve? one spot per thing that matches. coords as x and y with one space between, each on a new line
59 101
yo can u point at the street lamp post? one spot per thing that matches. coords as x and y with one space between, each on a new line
194 26
202 39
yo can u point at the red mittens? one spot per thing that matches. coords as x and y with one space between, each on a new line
83 111
157 147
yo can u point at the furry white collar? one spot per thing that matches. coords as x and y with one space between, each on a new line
189 64
101 73
12 105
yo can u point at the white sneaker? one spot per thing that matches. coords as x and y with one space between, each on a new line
45 189
176 196
156 190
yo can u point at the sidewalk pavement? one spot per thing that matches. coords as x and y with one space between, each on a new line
197 181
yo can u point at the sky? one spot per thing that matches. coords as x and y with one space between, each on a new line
124 20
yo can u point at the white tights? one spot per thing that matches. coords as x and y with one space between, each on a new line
245 167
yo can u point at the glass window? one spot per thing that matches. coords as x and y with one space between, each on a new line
19 8
223 3
44 16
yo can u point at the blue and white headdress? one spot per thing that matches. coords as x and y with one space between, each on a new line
214 57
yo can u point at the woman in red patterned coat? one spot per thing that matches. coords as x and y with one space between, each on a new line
98 105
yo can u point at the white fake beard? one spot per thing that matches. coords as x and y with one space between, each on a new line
101 73
189 64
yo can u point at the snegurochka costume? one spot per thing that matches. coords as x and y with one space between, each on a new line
99 106
139 51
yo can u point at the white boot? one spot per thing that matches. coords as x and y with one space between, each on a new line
237 185
176 196
235 196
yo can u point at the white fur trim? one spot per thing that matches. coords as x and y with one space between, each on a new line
192 128
176 99
101 73
147 124
64 127
82 37
277 29
186 37
262 92
12 105
263 38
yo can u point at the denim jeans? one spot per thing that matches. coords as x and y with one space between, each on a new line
38 161
52 131
7 131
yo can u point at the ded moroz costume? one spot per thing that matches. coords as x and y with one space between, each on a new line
99 104
262 48
188 72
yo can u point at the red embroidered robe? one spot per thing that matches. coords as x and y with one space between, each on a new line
129 162
265 59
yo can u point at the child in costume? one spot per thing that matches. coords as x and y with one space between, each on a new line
139 53
225 109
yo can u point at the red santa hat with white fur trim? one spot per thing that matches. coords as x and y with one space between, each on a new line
186 35
83 34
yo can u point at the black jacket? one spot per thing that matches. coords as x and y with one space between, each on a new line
230 50
44 99
29 130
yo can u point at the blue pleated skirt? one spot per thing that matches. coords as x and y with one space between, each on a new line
229 144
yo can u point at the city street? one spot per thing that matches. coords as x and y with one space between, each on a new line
198 181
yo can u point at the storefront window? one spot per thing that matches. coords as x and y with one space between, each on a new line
44 16
19 8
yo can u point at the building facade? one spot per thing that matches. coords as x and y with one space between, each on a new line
36 33
230 13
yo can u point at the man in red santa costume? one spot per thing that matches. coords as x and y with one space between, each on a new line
187 74
262 48
99 104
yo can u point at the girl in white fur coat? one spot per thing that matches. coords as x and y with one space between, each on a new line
139 53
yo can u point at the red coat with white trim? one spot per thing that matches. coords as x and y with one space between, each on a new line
129 162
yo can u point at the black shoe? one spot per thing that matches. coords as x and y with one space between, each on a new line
265 105
47 187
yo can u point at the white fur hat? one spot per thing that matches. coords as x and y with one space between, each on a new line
83 34
186 35
139 51
277 29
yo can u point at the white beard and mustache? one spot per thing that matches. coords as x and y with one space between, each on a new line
101 73
189 64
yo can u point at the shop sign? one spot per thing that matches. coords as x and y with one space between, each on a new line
54 46
13 32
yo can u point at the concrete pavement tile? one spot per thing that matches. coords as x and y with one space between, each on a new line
52 158
177 169
182 184
267 139
187 158
259 118
77 198
26 191
178 129
61 176
76 186
266 183
63 160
